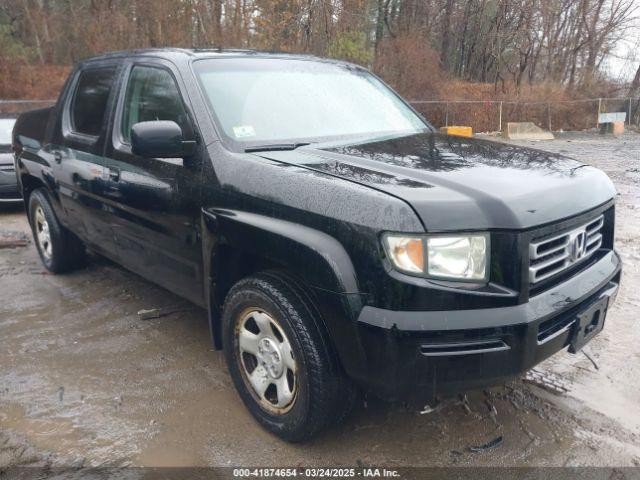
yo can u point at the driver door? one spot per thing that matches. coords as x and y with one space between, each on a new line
155 202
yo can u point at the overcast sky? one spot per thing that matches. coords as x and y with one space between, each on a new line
623 63
620 67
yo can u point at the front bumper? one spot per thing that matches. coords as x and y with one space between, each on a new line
421 355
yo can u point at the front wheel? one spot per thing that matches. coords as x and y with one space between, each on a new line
280 358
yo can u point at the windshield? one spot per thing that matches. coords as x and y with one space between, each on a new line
265 101
6 126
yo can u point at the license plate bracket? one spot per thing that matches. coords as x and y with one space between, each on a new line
588 324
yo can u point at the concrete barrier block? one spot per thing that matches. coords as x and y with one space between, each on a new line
525 131
612 128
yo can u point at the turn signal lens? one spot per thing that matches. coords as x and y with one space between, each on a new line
406 253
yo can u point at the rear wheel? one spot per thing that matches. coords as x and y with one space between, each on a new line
59 249
280 358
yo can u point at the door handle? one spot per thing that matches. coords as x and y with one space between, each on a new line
114 174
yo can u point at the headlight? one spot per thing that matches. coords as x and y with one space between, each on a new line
455 257
459 257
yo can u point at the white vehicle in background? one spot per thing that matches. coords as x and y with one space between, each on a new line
8 182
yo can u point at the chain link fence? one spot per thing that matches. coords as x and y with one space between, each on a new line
13 108
492 115
482 116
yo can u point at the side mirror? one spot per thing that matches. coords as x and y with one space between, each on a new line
160 139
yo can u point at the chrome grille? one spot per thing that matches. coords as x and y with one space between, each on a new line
550 256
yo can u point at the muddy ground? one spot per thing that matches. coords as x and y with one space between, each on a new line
85 381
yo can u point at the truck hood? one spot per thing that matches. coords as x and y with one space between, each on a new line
456 183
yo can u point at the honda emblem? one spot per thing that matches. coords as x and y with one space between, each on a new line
577 245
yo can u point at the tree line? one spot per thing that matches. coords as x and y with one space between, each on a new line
414 44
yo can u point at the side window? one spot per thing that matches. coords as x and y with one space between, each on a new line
152 94
90 100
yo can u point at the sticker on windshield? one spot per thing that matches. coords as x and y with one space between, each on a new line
244 131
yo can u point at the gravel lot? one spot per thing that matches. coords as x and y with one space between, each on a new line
84 381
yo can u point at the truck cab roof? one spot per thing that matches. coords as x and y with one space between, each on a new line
176 53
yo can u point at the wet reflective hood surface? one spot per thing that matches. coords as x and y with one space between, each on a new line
456 183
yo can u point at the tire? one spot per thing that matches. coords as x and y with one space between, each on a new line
59 249
297 396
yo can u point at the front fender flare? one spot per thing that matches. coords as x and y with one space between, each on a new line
310 254
315 255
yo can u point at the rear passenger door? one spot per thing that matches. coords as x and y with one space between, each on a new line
155 202
76 153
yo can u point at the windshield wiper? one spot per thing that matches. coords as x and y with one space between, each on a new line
275 147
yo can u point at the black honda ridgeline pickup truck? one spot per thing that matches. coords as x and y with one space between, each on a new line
337 241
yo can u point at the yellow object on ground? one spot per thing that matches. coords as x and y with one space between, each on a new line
457 130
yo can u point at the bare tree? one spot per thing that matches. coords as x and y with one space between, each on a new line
501 42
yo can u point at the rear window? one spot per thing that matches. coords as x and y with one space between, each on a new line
90 100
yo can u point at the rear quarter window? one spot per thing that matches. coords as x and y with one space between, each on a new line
90 100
